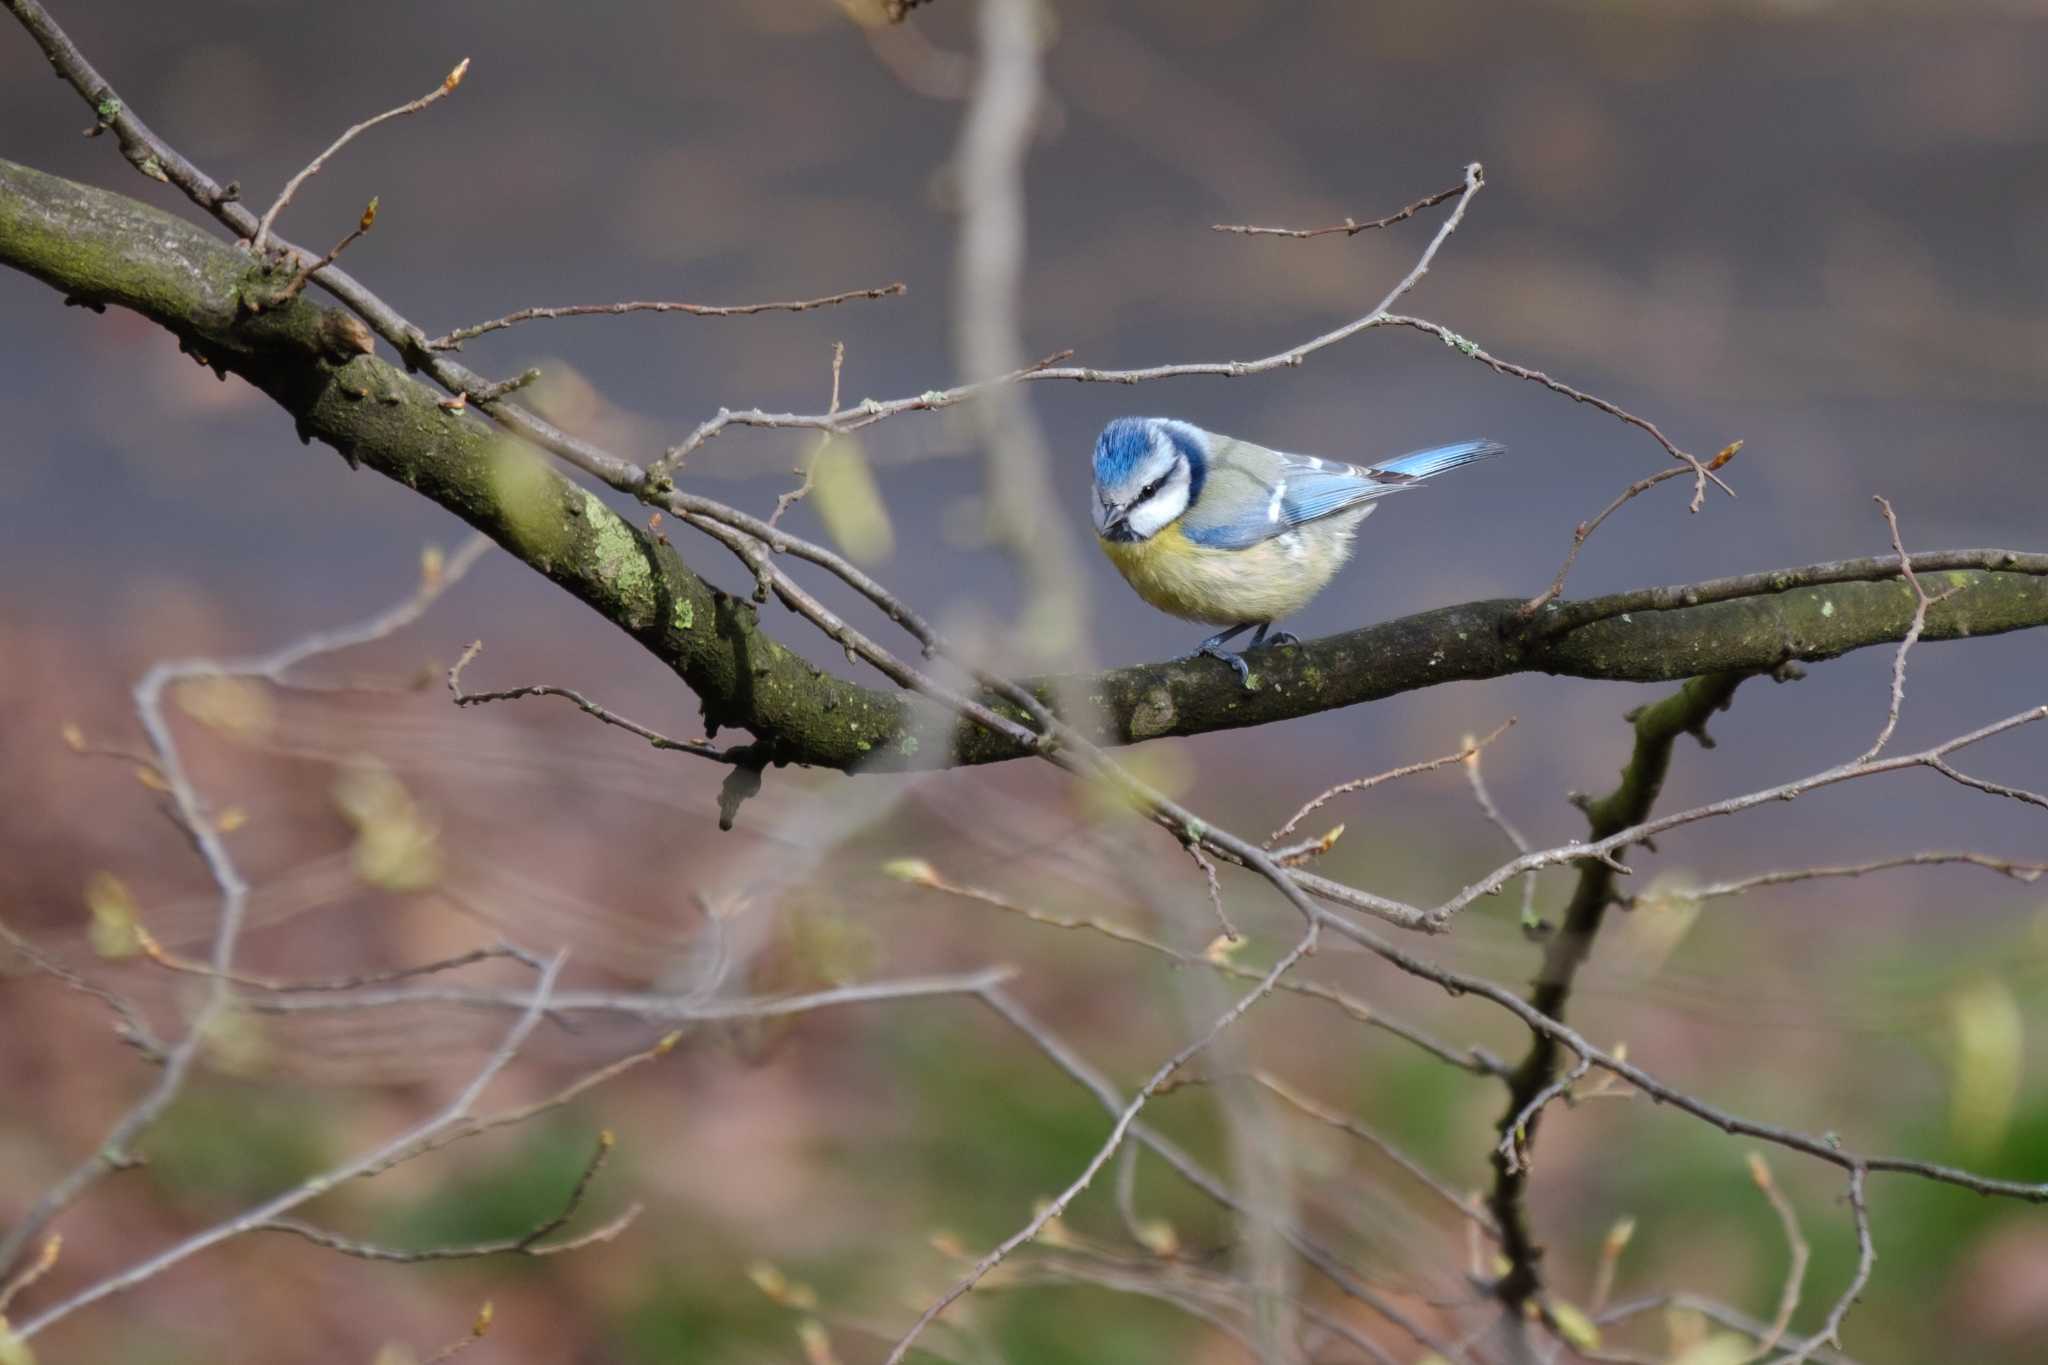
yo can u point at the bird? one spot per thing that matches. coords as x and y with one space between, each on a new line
1214 529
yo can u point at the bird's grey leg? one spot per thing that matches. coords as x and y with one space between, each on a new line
1277 637
1213 647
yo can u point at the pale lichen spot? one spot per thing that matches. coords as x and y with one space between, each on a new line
684 615
1827 607
620 562
1154 716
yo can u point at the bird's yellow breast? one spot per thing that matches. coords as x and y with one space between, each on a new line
1263 582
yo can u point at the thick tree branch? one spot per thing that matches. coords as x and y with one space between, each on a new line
100 248
1534 1082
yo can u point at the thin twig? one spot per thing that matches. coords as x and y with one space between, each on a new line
810 468
279 1205
1713 1311
132 1027
1350 227
1822 1148
447 87
163 957
53 1246
1194 848
307 271
1795 1273
531 1243
1921 602
1475 779
452 341
1584 530
1866 1257
1464 753
1311 1252
1476 1061
870 410
1611 1246
1514 1140
188 808
2018 871
1935 758
478 1328
1702 473
1054 1207
700 748
1344 1123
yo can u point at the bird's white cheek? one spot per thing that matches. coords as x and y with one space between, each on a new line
1157 512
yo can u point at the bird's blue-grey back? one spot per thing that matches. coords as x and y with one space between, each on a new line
1271 493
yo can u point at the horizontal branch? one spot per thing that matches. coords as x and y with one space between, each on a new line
101 248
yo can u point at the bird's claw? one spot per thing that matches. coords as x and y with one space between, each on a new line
1281 637
1236 661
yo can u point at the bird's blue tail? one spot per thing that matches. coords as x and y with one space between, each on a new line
1425 464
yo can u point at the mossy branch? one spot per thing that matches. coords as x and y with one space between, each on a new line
99 248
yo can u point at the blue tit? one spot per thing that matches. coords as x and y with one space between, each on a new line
1213 529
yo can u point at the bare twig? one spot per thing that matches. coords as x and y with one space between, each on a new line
870 410
279 1205
785 501
652 1006
532 1243
1344 1123
700 748
1822 1148
163 957
261 240
306 271
1475 779
1350 227
2018 871
1866 1257
188 808
1702 474
1584 530
1921 602
1464 754
452 341
132 1026
1476 1061
45 1261
1713 1311
1514 1140
1311 1252
1194 848
1935 758
479 1327
1611 1246
1795 1273
1056 1206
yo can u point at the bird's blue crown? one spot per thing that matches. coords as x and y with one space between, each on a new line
1127 441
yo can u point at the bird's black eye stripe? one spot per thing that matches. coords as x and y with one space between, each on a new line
1152 487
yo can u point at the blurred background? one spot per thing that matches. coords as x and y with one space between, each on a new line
1812 226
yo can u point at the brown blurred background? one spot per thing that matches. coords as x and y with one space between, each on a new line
1815 227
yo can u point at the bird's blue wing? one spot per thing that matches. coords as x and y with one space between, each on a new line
1257 494
1425 464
